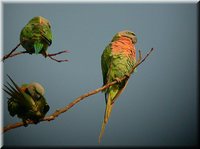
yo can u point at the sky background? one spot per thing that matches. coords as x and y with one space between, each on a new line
157 108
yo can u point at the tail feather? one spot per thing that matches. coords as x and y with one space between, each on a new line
106 117
102 131
38 47
108 110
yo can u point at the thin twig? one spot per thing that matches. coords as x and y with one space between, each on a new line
70 105
65 60
16 53
9 55
54 54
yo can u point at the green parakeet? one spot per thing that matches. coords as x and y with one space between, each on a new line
117 60
36 36
27 102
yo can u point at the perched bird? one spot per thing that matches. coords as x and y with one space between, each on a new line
36 36
117 60
27 101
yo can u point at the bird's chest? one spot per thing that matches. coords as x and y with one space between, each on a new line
123 49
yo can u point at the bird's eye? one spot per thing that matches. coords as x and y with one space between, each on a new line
37 96
133 34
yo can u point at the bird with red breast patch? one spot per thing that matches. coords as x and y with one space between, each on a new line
117 60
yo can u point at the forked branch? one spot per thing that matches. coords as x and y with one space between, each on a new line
54 54
13 53
70 105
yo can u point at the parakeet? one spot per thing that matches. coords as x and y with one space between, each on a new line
27 102
117 60
36 36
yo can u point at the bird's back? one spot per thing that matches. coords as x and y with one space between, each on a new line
36 30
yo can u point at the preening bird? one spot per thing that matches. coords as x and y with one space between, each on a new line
27 102
117 60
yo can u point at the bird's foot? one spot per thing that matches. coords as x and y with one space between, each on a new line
36 121
25 123
127 75
118 80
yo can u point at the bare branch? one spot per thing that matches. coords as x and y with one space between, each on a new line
10 54
65 60
16 53
54 54
70 105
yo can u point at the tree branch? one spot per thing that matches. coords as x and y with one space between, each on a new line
15 54
54 54
70 105
12 54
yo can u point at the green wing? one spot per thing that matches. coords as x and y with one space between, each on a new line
46 34
105 63
42 105
18 99
26 33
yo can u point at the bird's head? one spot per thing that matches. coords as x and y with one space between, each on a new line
126 33
29 97
40 20
36 91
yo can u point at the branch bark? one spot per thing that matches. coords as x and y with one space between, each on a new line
77 100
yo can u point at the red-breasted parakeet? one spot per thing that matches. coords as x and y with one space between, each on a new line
36 36
27 102
117 60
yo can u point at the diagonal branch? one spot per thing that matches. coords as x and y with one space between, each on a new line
10 54
70 105
15 54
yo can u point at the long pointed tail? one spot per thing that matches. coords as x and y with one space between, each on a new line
106 117
102 131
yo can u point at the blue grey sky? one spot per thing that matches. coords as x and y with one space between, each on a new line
159 105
